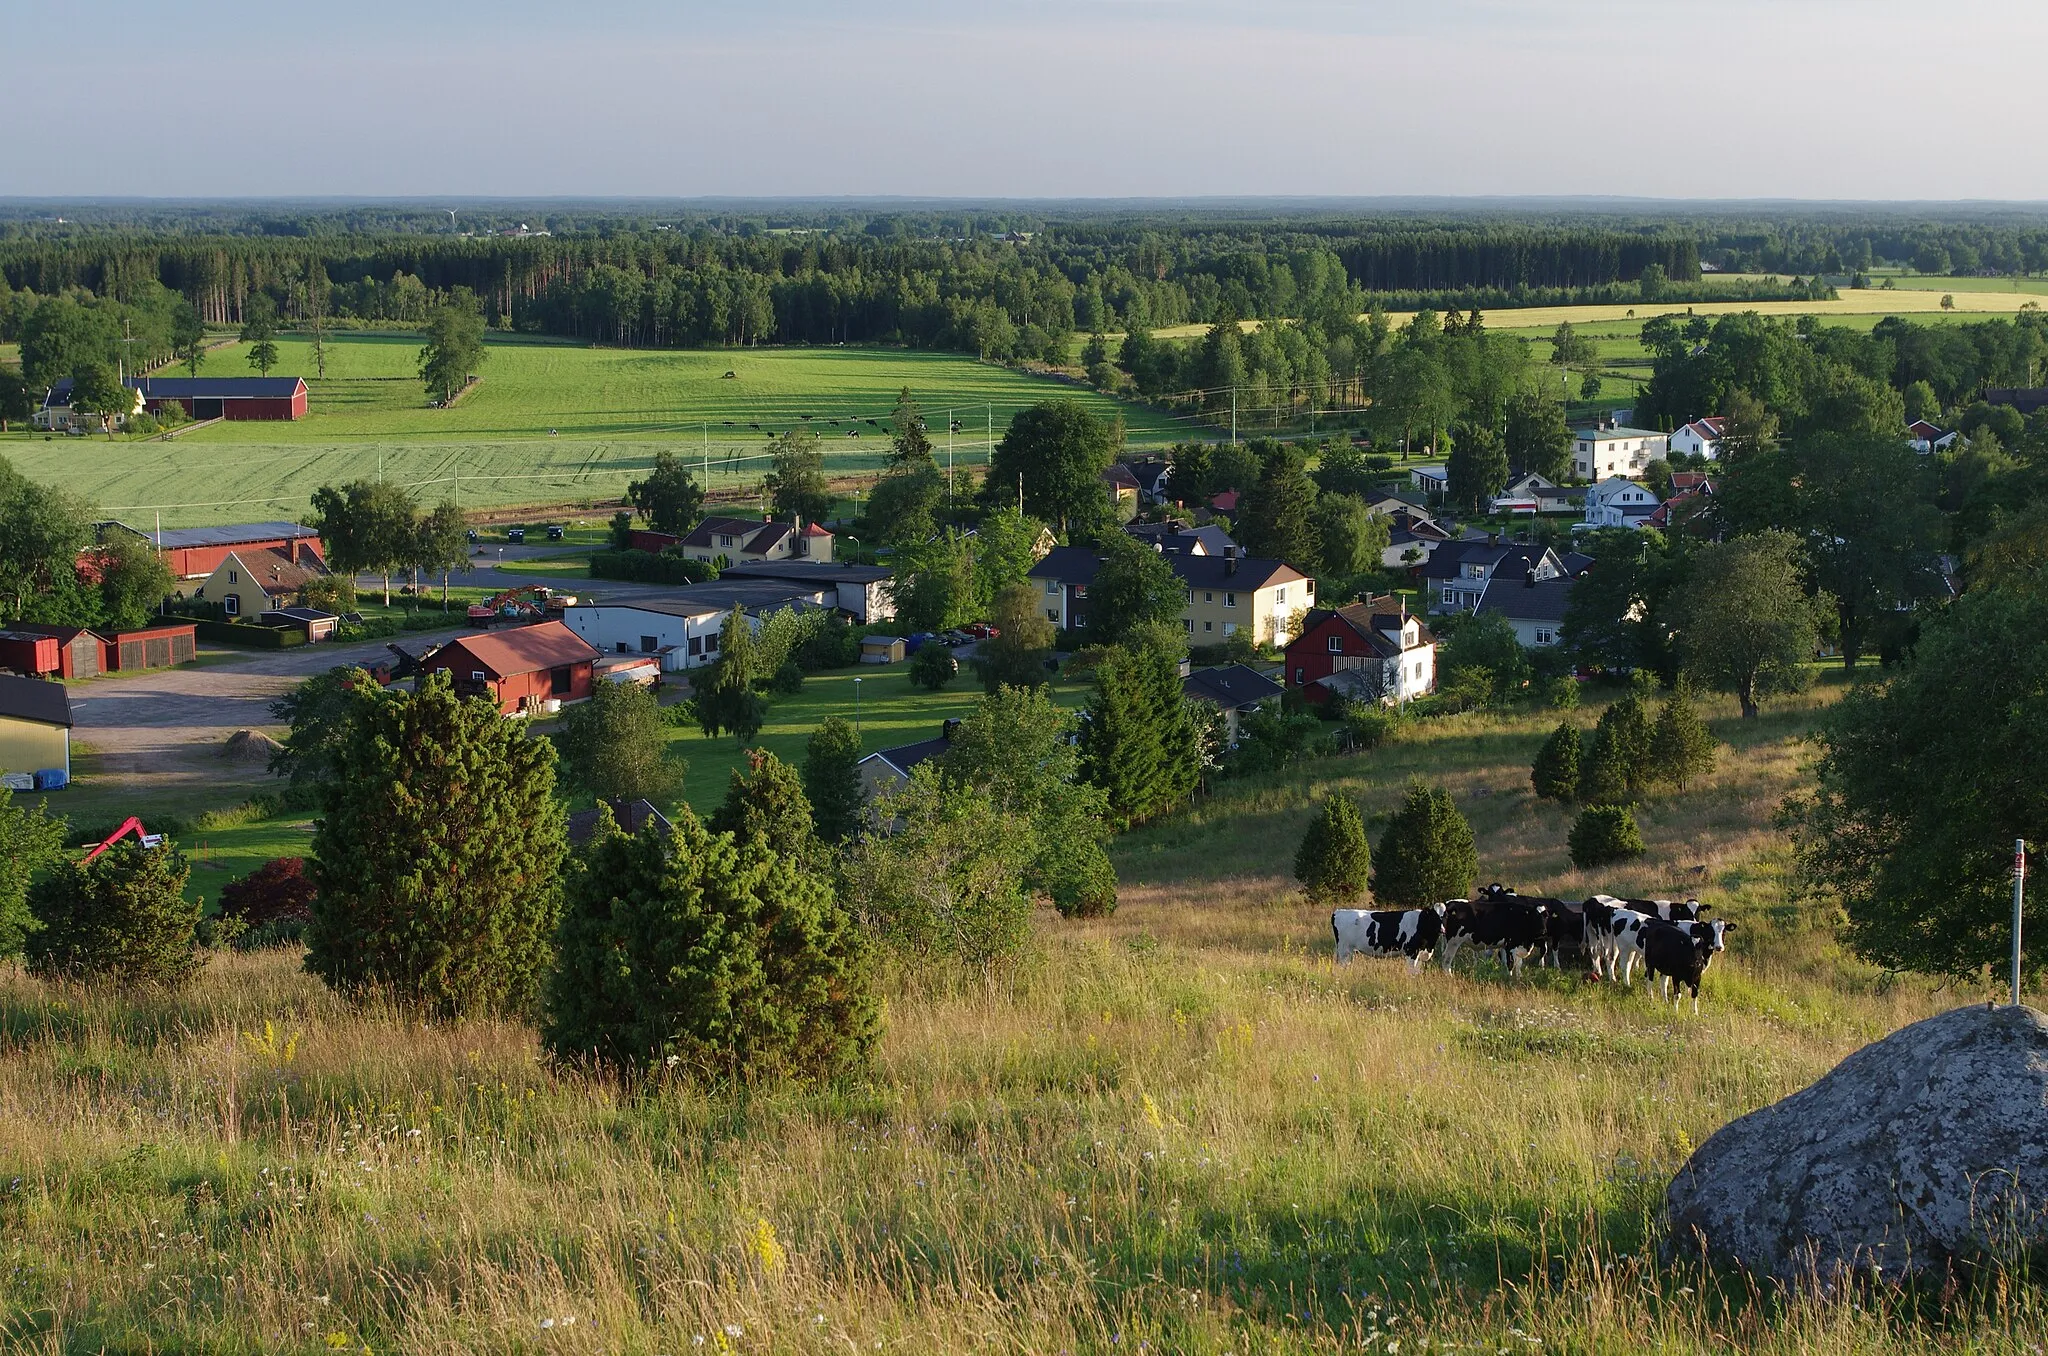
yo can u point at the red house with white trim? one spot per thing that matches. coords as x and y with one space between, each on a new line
521 670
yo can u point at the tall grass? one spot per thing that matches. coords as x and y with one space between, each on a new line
1181 1128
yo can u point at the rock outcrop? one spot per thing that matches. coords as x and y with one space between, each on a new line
1923 1149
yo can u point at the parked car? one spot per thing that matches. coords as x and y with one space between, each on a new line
913 644
515 534
471 534
983 631
956 638
554 531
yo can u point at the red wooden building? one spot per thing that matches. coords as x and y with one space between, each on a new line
227 397
80 653
196 552
29 653
153 647
520 670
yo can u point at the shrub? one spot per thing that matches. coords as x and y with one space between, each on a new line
1603 772
31 842
1370 725
1555 774
437 856
1681 748
832 645
717 956
788 679
1562 693
1334 860
932 666
1426 855
615 746
767 803
278 890
1603 835
122 916
947 879
645 567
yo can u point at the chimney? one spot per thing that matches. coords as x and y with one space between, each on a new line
1229 561
1529 578
1173 527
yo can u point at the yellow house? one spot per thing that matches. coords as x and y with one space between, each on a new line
1227 594
256 580
35 726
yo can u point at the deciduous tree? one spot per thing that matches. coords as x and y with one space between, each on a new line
1134 587
455 346
832 779
1060 451
796 483
1746 624
615 746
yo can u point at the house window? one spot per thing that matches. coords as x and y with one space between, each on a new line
1230 628
1208 626
1186 625
1336 645
711 643
1080 590
560 680
232 604
1208 597
1230 600
1300 676
622 647
1052 586
1080 622
1052 614
648 644
696 645
1280 595
234 578
1542 635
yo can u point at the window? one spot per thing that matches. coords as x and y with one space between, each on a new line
648 644
479 676
1052 586
1300 676
1230 600
232 604
1542 635
560 680
1080 622
1080 590
711 643
1280 594
1208 597
1209 626
1336 645
622 647
696 645
1186 625
234 577
1052 614
1230 628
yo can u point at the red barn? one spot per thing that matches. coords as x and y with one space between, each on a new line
153 647
520 670
227 397
196 552
29 653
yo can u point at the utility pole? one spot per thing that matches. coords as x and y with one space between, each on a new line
707 453
1233 416
2019 896
949 456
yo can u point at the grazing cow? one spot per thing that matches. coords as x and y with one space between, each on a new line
1670 910
1613 932
1678 955
1564 929
1391 932
1503 923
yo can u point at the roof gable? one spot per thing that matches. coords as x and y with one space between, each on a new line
34 699
523 649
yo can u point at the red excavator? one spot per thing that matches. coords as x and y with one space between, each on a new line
129 825
529 602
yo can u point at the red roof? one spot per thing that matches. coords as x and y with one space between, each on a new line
1225 502
813 530
523 649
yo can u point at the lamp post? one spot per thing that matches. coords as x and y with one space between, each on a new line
856 548
856 709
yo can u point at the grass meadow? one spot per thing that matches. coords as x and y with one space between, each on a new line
1181 1128
549 423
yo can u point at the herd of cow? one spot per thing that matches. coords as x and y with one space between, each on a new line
1673 942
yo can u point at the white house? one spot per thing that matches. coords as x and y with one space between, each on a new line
682 634
1608 451
1924 437
1430 479
1618 502
1533 607
1701 438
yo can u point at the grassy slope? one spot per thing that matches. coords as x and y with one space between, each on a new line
549 423
1180 1127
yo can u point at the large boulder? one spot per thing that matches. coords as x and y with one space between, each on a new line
1926 1148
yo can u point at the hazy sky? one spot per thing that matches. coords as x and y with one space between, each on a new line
1030 98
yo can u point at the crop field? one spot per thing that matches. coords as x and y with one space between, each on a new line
1180 1128
547 424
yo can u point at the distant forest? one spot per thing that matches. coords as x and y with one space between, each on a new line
1005 282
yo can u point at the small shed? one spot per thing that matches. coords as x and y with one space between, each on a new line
881 649
26 652
317 625
35 729
154 647
80 653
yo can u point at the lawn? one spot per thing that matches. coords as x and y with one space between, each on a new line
549 423
1180 1128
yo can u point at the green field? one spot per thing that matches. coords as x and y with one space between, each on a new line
548 424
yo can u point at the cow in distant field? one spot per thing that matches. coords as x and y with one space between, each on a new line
1670 910
1413 933
1564 931
1612 929
1678 955
1497 920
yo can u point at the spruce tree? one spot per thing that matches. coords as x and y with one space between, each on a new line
1426 854
122 916
832 779
31 842
1603 771
722 957
1120 747
725 699
766 803
1334 860
1555 774
1181 750
436 856
1604 835
1681 749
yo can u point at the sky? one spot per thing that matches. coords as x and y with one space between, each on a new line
1809 99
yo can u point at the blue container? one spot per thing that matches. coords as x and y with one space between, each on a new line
52 779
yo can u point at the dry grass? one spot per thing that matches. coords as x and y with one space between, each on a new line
1178 1129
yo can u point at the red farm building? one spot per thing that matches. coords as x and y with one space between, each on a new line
520 670
227 397
196 552
80 653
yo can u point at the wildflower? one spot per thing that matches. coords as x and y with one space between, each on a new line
546 1324
1153 1117
734 1330
767 1248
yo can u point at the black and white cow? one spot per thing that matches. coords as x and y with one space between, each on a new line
1413 933
1627 929
1678 954
1670 910
1564 930
1612 932
1504 923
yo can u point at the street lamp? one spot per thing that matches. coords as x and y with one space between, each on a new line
856 545
856 709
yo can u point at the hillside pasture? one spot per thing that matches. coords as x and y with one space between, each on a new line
547 424
1180 1128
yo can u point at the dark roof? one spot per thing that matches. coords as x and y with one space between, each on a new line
1371 620
631 816
806 570
904 757
64 634
1449 559
1575 563
307 614
1179 537
1120 476
748 530
187 388
34 699
1518 600
237 534
276 571
1233 685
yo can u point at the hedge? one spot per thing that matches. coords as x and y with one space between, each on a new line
644 567
250 634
